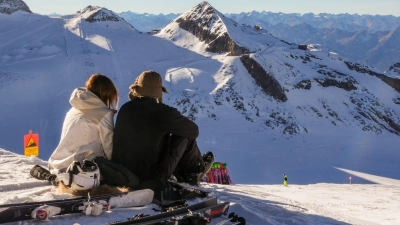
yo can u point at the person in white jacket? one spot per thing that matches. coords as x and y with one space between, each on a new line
82 159
88 127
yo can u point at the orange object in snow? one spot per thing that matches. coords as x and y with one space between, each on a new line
31 144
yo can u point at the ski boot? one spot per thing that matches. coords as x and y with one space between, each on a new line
41 173
208 159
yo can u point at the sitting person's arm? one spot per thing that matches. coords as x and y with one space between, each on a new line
106 132
177 124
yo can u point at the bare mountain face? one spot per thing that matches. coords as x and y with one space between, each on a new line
11 6
297 89
209 26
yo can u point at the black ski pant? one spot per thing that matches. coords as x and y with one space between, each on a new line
183 157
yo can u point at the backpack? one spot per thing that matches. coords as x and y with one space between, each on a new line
115 174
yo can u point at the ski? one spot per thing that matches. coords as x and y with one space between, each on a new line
34 210
204 210
188 191
234 218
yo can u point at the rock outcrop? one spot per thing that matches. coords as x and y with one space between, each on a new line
96 13
208 25
11 6
392 82
267 82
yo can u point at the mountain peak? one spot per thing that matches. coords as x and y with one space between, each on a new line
204 3
11 6
210 26
97 13
203 10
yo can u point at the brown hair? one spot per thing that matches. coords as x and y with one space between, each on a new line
103 88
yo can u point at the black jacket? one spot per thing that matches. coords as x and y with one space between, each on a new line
142 133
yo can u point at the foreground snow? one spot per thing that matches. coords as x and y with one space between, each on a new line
260 204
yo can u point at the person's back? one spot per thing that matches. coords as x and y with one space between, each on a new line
142 132
85 147
87 131
88 126
154 140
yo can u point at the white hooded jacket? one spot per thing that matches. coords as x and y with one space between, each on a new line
87 131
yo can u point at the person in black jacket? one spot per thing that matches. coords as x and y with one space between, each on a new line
154 140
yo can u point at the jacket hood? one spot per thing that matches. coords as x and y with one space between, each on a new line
87 103
83 99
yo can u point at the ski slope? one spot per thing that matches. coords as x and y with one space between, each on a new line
321 203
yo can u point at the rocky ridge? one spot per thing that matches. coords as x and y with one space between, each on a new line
96 14
11 6
209 25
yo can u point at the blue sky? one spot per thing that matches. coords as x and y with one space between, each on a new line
382 7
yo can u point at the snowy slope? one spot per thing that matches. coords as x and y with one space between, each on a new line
322 203
43 59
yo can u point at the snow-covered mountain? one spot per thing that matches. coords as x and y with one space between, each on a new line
211 27
255 97
11 6
347 22
367 38
96 13
379 49
284 73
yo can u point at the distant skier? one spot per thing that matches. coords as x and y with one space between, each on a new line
284 179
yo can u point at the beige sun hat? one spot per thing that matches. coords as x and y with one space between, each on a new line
147 84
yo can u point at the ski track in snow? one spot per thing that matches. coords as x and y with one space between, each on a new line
27 34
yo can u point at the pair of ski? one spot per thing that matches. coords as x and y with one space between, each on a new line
44 210
197 214
179 212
